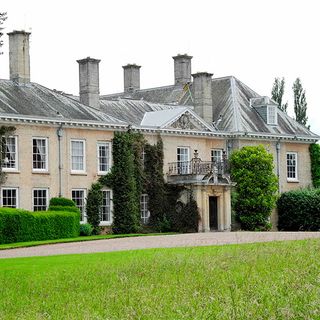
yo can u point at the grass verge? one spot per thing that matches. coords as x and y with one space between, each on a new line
77 239
277 280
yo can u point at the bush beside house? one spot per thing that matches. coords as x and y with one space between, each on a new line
17 225
299 210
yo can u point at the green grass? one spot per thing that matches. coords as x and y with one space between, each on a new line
279 280
77 239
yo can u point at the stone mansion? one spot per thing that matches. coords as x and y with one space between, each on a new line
63 143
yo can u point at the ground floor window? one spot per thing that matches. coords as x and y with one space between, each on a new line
9 197
106 207
144 211
40 199
79 196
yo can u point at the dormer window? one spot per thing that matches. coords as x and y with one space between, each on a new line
272 117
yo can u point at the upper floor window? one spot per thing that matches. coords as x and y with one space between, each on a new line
272 116
103 154
216 155
40 154
183 155
144 212
40 199
106 207
9 197
292 166
78 156
10 161
79 196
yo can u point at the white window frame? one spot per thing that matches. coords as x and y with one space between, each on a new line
47 198
215 158
17 196
107 222
76 171
46 162
83 213
184 168
144 211
16 155
295 154
106 144
272 115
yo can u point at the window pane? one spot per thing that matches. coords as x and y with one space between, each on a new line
79 198
145 214
9 198
77 155
103 157
292 165
106 206
39 154
40 199
10 152
183 160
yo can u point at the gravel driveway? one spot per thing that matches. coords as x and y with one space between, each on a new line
168 241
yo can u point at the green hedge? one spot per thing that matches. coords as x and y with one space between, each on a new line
17 225
63 208
63 202
299 210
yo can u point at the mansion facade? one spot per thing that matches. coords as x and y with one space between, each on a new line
63 143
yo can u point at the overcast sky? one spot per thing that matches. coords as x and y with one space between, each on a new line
253 40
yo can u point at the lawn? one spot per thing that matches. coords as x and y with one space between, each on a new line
279 280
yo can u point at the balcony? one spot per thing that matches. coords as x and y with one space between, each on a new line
198 171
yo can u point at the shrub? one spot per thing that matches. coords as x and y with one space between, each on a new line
62 202
62 208
299 210
17 225
86 229
315 164
252 170
93 206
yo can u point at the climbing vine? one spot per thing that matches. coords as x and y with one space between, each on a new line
315 164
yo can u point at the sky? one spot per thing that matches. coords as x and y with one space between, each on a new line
253 40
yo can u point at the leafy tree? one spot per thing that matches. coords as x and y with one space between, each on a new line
252 170
300 103
315 164
277 93
3 17
126 213
93 206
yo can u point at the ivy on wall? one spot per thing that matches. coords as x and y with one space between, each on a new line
314 150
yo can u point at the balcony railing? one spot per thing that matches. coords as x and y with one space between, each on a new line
198 167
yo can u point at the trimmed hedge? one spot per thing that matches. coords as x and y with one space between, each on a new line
63 208
63 202
17 225
299 210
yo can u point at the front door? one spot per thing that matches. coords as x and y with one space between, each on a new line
213 213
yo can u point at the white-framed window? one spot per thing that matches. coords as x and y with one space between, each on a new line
106 208
103 155
39 154
143 157
144 211
10 161
272 115
40 199
79 197
216 155
183 158
292 166
78 156
9 197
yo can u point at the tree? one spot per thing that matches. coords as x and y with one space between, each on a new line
277 93
315 164
3 17
257 185
300 103
93 206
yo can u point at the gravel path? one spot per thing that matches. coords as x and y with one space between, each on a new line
168 241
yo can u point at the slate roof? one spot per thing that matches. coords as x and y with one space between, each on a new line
231 101
35 100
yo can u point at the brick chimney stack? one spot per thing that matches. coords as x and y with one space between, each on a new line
89 81
131 77
19 58
182 69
